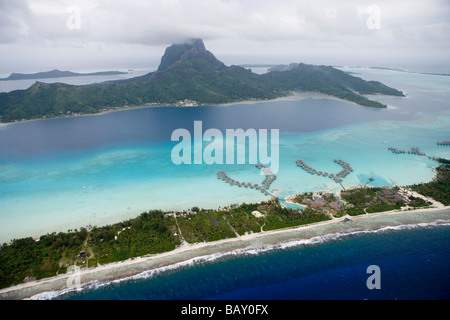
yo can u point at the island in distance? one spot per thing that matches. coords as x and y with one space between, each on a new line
188 72
57 74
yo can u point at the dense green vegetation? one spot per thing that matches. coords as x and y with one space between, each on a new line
30 259
330 81
190 72
360 201
150 233
368 200
211 225
439 188
443 161
419 203
204 226
243 221
283 218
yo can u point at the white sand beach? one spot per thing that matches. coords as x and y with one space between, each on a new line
195 253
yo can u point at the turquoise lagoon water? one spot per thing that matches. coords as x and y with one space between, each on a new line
67 173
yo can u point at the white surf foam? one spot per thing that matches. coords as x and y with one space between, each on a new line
148 274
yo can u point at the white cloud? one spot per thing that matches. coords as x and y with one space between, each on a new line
258 27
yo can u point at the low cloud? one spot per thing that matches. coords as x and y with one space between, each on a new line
272 27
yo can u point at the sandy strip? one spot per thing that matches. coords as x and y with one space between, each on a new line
120 270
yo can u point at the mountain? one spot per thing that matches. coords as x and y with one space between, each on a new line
331 81
187 71
57 74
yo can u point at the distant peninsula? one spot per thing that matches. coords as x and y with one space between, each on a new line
187 72
407 71
57 74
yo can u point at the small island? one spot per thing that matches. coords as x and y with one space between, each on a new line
57 74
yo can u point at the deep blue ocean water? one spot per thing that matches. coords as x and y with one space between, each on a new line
414 264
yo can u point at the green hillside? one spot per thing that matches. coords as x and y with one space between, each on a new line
187 71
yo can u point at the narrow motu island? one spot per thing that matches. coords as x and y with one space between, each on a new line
160 241
188 254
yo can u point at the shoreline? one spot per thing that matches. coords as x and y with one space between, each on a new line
100 113
188 253
294 96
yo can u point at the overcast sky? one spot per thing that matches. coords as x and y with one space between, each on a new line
39 35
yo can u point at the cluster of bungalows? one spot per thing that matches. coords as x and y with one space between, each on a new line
396 151
444 143
337 178
347 169
416 151
269 178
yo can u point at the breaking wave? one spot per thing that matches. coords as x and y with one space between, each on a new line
148 274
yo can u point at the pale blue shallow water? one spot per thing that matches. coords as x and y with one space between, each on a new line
64 173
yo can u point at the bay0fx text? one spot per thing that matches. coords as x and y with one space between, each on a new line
230 309
237 147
